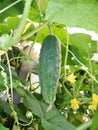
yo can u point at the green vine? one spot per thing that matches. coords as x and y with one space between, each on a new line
84 67
15 38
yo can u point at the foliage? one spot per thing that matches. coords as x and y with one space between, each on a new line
23 23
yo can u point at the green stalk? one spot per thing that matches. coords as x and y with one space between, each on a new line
9 6
85 125
77 91
33 32
66 89
65 62
10 75
66 54
82 65
15 38
14 114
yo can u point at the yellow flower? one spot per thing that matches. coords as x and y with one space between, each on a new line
92 107
95 99
71 78
94 103
74 103
3 120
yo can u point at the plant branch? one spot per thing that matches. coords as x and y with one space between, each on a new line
66 54
66 89
10 73
15 38
9 6
33 32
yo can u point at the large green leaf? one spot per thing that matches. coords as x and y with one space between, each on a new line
31 102
51 120
13 11
81 13
2 127
82 47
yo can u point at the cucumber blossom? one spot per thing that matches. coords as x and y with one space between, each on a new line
49 67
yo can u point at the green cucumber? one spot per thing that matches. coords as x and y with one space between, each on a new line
49 67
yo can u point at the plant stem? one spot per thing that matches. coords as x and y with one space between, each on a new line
15 38
9 6
82 65
33 32
77 91
65 63
66 89
10 73
85 125
66 54
14 114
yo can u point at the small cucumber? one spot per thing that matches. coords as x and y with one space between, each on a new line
49 67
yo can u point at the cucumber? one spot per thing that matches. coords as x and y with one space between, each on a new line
49 67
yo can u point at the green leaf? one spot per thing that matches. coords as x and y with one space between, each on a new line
2 127
82 47
12 22
13 11
21 112
59 31
4 29
31 102
42 4
95 121
53 120
34 13
5 106
42 34
74 13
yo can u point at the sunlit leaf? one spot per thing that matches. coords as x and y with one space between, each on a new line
12 22
82 47
2 127
74 13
